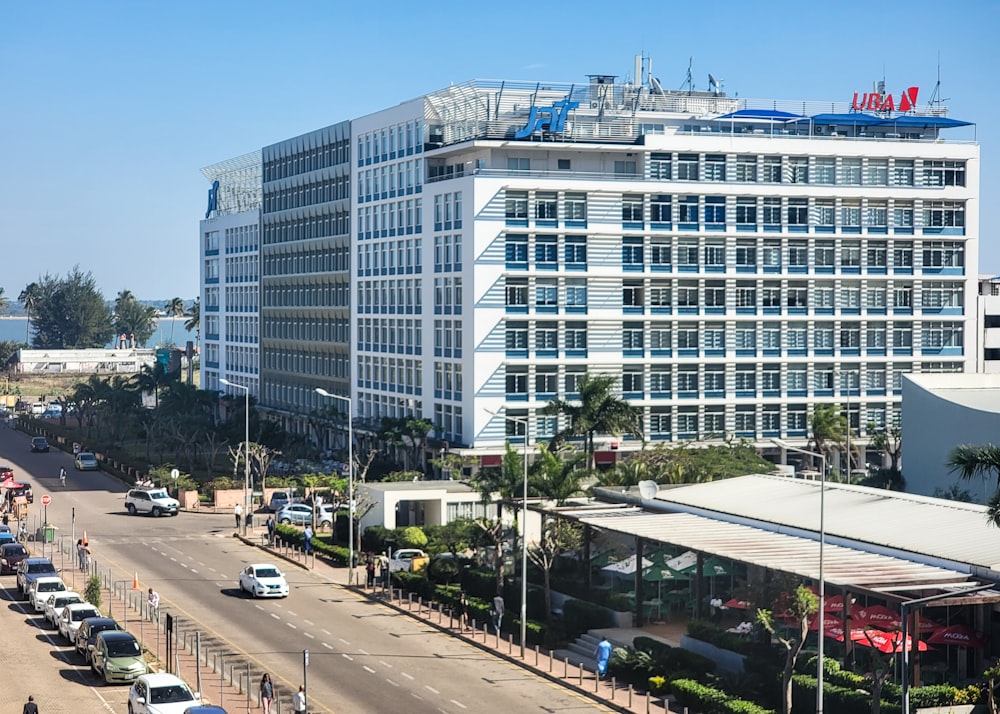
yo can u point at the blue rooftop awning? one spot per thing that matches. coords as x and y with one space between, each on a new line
903 120
851 119
761 115
932 122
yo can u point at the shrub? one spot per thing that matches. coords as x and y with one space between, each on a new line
373 539
676 662
619 602
631 666
92 593
658 686
707 700
481 582
580 616
412 537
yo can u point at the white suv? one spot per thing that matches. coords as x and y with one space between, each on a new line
151 500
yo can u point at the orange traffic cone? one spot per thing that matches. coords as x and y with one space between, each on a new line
135 582
85 537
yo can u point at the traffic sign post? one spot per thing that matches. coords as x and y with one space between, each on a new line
46 500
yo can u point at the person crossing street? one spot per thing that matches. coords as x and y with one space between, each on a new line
62 476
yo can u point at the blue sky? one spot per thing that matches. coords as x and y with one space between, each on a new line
110 109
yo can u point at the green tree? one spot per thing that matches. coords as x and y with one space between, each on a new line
505 482
888 441
174 307
71 313
798 607
131 317
29 299
4 303
829 428
598 411
8 348
412 537
975 462
193 315
556 476
559 536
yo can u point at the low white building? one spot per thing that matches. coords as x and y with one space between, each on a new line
93 361
940 412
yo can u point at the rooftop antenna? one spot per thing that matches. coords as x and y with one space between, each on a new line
689 80
936 102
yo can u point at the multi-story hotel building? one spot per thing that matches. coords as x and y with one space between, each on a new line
230 265
732 262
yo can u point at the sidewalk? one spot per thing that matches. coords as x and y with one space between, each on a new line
576 676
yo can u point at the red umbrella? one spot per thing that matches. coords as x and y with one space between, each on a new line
958 635
735 604
836 604
879 616
11 483
887 642
830 621
834 632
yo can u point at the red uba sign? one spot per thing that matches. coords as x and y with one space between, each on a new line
877 102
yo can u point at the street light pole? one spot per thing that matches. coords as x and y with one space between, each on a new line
246 451
350 479
822 587
524 530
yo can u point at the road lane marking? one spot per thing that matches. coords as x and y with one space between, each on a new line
343 640
458 703
259 607
327 632
275 616
391 682
385 664
432 689
309 622
310 635
361 651
408 676
368 669
292 625
329 647
292 614
347 656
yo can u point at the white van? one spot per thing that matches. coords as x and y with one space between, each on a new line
38 408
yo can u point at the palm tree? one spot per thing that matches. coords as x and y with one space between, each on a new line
599 410
829 428
194 318
556 477
971 461
174 307
4 302
29 297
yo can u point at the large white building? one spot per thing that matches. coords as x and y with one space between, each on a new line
733 262
230 269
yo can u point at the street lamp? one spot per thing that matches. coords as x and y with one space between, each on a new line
246 451
524 529
350 479
822 590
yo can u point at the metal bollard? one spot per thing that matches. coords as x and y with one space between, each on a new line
580 670
550 661
630 696
510 642
647 703
597 678
566 668
614 688
409 605
536 655
420 605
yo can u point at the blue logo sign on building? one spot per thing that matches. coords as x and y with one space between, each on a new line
552 119
213 199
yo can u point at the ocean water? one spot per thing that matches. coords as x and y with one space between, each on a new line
13 328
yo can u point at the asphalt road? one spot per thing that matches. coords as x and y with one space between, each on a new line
363 657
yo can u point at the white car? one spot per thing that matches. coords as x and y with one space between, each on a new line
41 589
403 559
55 602
263 580
71 617
160 693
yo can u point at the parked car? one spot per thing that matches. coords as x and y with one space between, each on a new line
205 709
88 631
117 657
10 555
56 601
407 559
39 444
160 693
86 461
263 580
279 499
300 514
41 588
7 537
154 501
6 472
71 617
30 569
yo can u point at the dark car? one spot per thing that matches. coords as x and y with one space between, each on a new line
10 555
85 636
31 569
6 472
205 709
39 444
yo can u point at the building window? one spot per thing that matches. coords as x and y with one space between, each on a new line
746 212
902 215
851 171
632 211
545 207
576 207
660 255
517 293
576 252
902 173
576 335
626 168
576 294
944 214
632 336
660 209
687 167
633 293
517 336
746 254
546 252
877 173
798 169
546 380
715 211
825 171
746 169
944 173
715 167
688 210
772 169
798 212
516 250
546 336
772 213
632 380
516 206
546 294
660 166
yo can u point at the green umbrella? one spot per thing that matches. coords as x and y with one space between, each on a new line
714 567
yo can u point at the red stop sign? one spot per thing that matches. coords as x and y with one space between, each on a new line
46 499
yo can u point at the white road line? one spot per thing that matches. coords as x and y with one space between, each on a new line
457 703
173 559
275 616
327 632
347 656
292 625
259 607
193 570
431 689
416 696
310 635
292 614
343 640
329 647
391 682
368 669
408 676
385 664
361 651
309 622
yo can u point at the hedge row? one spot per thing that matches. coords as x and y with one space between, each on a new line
707 700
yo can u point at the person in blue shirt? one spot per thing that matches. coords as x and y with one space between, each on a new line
602 654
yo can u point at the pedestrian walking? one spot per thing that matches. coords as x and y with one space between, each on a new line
238 512
31 708
602 654
153 601
370 570
81 562
307 539
6 518
270 530
497 612
62 475
461 610
299 701
266 693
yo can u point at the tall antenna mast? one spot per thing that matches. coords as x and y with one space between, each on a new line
689 80
936 102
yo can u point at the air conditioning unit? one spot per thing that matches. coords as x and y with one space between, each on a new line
595 105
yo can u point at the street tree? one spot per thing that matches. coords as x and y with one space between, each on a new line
979 462
559 536
828 427
174 307
4 303
556 476
131 317
888 441
29 299
193 322
71 313
797 607
598 410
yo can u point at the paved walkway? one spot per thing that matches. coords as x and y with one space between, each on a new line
577 676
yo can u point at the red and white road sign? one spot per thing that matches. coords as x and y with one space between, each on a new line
46 499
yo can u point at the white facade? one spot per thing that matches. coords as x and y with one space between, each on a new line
989 325
229 246
940 412
732 271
